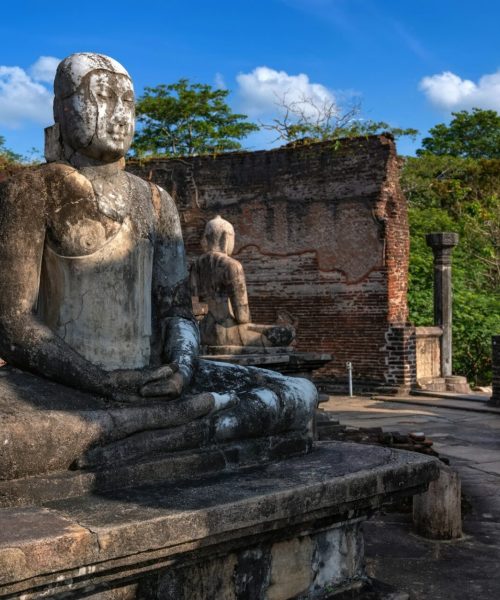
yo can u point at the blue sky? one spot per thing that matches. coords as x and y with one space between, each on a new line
407 62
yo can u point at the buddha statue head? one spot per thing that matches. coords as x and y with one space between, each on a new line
94 109
218 236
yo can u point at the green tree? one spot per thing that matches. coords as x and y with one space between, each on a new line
184 118
448 193
9 161
7 155
474 134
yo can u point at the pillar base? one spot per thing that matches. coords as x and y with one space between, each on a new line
457 384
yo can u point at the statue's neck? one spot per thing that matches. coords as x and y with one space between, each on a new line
104 169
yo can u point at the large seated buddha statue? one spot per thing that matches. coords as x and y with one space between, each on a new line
95 296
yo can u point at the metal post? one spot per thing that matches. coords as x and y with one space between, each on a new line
349 373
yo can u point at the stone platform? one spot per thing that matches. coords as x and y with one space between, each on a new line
299 364
288 529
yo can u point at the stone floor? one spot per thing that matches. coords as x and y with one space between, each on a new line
419 568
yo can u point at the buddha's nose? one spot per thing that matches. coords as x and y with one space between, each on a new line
120 114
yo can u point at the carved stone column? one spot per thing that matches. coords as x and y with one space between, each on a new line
442 245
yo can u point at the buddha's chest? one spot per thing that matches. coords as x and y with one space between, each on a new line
86 213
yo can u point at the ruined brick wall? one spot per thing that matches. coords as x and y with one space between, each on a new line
322 232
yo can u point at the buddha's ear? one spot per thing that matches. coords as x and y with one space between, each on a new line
53 144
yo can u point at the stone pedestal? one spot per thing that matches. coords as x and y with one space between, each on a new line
283 530
457 384
429 359
437 513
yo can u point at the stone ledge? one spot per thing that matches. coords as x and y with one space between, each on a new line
284 362
69 545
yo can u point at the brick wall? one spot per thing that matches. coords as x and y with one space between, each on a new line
322 233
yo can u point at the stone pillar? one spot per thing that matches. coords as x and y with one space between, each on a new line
495 359
437 513
442 245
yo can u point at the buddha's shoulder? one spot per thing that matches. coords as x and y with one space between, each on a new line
52 184
23 176
26 185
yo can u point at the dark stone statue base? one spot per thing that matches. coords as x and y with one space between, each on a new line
60 443
163 468
288 529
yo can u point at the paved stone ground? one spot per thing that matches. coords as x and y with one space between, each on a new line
427 570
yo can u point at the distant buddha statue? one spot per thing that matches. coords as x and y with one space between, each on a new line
95 288
218 280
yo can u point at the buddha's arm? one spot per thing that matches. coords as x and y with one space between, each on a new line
172 292
24 341
238 293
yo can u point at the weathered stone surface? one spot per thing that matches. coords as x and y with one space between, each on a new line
437 513
291 568
457 384
428 350
37 415
37 541
138 535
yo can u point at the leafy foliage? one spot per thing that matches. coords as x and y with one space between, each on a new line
473 134
7 155
448 193
9 161
186 118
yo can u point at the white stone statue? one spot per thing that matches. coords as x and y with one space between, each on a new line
94 282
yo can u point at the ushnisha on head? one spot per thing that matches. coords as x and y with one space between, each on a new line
218 236
94 108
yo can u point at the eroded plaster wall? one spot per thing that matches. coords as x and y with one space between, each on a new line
322 233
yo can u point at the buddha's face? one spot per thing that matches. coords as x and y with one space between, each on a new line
98 119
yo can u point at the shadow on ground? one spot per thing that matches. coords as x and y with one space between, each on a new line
421 569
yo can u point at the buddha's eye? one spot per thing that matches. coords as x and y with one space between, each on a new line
128 98
104 93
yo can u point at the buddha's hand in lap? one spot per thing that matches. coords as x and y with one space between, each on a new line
165 382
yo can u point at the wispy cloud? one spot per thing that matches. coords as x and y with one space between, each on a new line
410 40
449 91
335 12
364 18
23 95
264 88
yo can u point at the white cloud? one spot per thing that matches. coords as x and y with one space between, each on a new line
23 97
263 89
451 92
44 69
